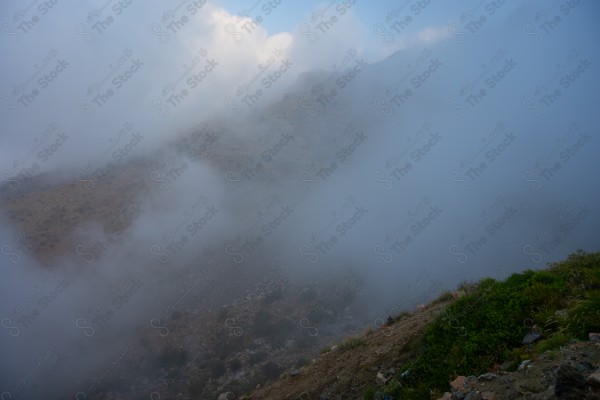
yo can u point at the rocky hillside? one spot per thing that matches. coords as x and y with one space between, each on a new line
531 336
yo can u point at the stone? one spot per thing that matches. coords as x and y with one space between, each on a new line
488 396
294 372
487 377
470 383
584 366
569 383
459 383
473 396
594 381
524 364
531 338
226 396
381 379
594 337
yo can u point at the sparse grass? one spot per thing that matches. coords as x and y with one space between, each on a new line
352 343
369 394
552 343
445 296
467 286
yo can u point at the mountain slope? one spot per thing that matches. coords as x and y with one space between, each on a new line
535 315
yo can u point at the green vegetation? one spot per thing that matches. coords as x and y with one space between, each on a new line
369 394
486 326
352 343
445 296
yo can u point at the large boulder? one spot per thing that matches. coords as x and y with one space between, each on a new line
569 383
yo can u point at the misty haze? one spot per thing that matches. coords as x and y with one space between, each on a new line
197 196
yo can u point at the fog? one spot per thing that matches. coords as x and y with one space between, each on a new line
393 149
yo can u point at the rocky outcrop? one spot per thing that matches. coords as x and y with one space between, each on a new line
573 372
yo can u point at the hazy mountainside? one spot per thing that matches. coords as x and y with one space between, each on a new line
256 156
227 327
231 239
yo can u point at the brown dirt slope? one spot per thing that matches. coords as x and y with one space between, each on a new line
345 373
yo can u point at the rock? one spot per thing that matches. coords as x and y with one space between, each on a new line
381 379
459 383
473 396
531 338
294 372
226 396
487 377
569 383
524 364
446 396
391 371
584 366
594 337
532 384
488 396
470 383
594 381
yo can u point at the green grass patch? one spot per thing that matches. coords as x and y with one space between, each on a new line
554 342
352 343
487 324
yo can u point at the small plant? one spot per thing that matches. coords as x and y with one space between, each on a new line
403 314
467 286
352 343
445 296
552 343
370 394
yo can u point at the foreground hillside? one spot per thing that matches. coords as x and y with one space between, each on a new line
530 336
